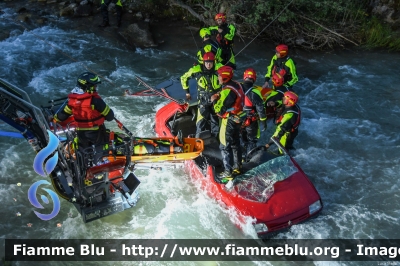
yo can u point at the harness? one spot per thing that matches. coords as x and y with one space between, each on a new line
205 93
239 102
223 42
281 69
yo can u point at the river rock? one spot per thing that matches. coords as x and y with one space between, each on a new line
24 17
83 11
139 35
4 35
389 10
67 11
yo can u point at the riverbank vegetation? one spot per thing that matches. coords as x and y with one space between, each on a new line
317 24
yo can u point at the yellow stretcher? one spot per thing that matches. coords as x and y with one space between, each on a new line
185 149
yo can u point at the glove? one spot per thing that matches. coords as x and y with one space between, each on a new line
263 125
266 83
214 97
188 97
270 103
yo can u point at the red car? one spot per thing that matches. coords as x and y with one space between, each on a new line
273 189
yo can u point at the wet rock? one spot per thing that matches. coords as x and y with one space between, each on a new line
22 10
83 11
139 35
4 35
67 11
41 21
25 17
139 15
389 10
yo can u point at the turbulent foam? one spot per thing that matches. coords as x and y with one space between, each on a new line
44 80
153 53
351 70
347 143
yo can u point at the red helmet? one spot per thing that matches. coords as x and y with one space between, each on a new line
282 49
221 16
277 80
250 73
226 72
209 57
290 98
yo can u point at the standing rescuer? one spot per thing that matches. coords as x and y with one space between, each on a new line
89 111
207 85
228 105
282 64
288 122
254 107
225 34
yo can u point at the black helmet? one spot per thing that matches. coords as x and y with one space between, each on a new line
87 81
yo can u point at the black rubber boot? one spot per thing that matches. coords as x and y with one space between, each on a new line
119 15
104 13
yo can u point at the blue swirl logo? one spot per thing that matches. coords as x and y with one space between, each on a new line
44 153
49 166
33 200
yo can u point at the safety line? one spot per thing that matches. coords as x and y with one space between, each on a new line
191 33
265 27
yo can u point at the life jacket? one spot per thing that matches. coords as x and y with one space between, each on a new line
207 85
260 91
207 80
85 117
281 69
297 123
239 102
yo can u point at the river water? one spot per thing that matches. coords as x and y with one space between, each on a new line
348 143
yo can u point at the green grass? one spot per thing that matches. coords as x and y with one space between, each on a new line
378 35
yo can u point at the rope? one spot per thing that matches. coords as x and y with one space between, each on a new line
265 27
191 33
